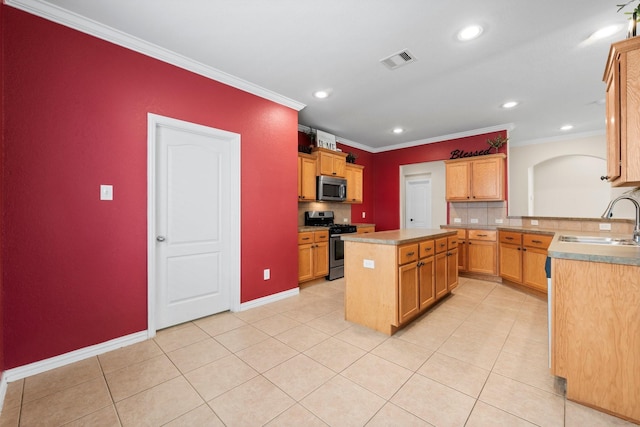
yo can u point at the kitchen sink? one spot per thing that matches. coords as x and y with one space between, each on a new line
599 240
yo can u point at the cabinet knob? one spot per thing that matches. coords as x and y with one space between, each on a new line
604 178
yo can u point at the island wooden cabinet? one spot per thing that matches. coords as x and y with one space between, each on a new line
331 163
354 183
595 340
313 255
389 285
482 252
622 79
523 257
306 177
479 179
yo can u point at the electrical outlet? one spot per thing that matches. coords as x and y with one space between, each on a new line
457 220
345 220
473 220
499 220
369 263
605 227
534 222
267 274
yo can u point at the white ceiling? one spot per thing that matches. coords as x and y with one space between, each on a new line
531 51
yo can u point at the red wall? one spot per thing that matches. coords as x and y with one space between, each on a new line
75 116
386 179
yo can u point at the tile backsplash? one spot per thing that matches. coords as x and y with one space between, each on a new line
341 211
495 214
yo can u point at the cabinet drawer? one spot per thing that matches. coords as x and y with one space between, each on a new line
511 237
452 242
321 236
489 235
407 253
441 245
427 248
537 241
305 237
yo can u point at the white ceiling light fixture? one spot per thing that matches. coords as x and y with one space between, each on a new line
566 127
321 94
509 104
469 33
398 130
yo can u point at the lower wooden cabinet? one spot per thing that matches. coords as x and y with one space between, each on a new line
313 255
366 229
523 257
482 252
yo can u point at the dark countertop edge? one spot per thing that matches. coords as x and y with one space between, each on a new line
389 237
305 228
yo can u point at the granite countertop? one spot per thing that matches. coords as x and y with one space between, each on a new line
397 237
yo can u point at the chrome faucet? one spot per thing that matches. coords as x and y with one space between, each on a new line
608 213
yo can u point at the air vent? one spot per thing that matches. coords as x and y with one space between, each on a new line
398 59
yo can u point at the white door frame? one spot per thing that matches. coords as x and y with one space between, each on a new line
153 121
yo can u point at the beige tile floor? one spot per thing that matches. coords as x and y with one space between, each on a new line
477 359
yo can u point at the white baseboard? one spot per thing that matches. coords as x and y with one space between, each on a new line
40 366
269 299
3 389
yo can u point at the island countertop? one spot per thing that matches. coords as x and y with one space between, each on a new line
397 237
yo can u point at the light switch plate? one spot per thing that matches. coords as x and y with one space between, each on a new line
534 222
106 192
605 227
267 274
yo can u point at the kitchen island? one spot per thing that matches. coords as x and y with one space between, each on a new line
391 277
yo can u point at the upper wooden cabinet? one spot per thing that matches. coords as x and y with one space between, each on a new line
479 179
622 78
306 177
331 163
354 183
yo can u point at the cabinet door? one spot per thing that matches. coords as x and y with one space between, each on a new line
427 282
321 259
408 292
511 262
458 178
354 184
339 166
452 269
631 111
305 262
612 122
481 257
487 177
307 179
441 274
462 255
534 274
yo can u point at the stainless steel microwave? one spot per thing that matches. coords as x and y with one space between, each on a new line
330 188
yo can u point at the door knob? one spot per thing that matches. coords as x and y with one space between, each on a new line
160 238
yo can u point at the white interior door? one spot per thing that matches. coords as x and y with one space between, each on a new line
196 230
418 203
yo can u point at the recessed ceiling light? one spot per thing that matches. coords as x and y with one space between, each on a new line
321 94
398 130
509 104
566 127
469 33
605 32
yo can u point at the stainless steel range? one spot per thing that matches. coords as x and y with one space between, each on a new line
336 245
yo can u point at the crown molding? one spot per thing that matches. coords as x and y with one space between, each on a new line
80 23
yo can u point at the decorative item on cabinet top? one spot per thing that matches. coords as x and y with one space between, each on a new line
633 18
